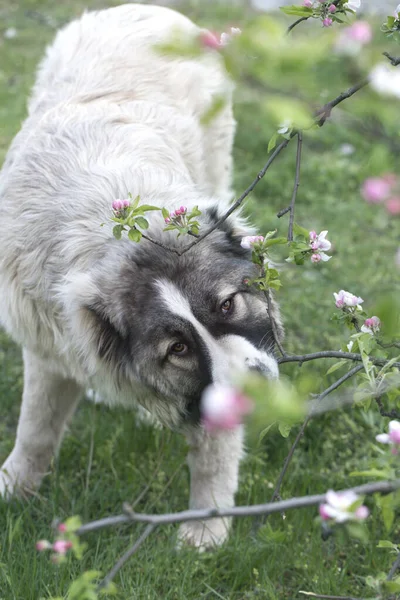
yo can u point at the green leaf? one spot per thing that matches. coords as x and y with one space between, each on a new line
165 213
300 231
297 11
284 429
264 432
274 241
272 142
392 586
336 366
142 222
217 105
117 231
134 235
145 207
135 203
387 544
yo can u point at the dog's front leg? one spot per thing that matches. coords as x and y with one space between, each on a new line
48 400
214 470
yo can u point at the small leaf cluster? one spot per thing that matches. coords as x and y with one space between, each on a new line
299 248
269 276
391 28
132 219
319 10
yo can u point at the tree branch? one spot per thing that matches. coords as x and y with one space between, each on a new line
296 186
241 198
267 294
300 358
383 487
395 61
293 25
325 112
300 434
126 556
394 568
393 414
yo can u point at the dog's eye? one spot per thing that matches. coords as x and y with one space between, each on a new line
179 349
226 306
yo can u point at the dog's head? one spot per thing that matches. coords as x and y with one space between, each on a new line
165 326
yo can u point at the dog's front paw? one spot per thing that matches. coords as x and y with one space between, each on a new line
18 479
204 535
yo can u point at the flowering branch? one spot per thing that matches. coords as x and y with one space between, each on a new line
300 434
293 25
273 324
300 358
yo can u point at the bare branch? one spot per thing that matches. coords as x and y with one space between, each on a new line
300 434
394 568
296 186
325 112
393 414
267 294
395 61
383 487
126 556
300 358
157 243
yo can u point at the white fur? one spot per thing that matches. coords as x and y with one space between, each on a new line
130 118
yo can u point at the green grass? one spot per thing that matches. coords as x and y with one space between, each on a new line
106 458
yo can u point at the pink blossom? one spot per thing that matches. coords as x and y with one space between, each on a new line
62 546
43 545
327 22
249 240
62 528
371 325
307 3
126 203
346 299
393 205
360 32
338 507
319 244
332 8
376 189
167 220
117 205
223 407
393 437
209 40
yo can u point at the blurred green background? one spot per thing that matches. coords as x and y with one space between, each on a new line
107 459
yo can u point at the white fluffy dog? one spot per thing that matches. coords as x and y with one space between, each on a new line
110 114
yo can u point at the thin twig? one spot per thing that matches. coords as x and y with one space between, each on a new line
157 243
241 198
382 487
325 112
295 187
300 434
283 212
126 556
267 294
395 61
293 25
393 414
300 358
394 568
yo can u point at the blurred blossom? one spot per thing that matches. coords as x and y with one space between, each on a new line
227 37
385 79
393 205
338 505
10 33
223 407
393 437
351 39
346 149
354 4
376 189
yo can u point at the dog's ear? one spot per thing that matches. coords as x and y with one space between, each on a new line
235 228
95 319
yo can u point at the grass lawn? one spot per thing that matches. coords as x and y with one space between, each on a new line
106 458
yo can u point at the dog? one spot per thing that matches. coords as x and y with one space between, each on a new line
111 113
